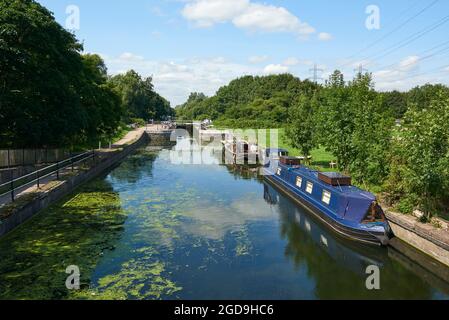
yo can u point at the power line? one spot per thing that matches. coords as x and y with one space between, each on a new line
419 56
412 38
395 29
399 27
440 69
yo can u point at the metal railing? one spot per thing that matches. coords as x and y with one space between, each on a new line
36 177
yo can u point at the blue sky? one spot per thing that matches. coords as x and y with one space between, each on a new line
200 45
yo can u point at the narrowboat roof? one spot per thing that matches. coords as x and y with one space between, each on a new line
352 191
277 150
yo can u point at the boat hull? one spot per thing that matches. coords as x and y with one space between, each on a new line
372 238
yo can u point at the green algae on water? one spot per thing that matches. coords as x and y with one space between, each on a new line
76 231
137 280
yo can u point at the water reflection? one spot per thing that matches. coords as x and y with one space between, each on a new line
339 266
173 230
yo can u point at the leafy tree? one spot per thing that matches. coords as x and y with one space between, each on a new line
396 102
41 69
99 100
336 79
249 101
301 127
138 97
50 94
420 157
353 124
334 121
186 111
422 96
372 130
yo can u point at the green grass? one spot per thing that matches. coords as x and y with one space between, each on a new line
321 159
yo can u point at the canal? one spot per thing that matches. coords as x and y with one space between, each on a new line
153 229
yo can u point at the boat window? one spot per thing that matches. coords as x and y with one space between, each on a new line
279 171
283 154
299 182
326 197
374 214
309 188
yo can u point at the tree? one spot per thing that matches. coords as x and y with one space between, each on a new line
334 121
301 127
41 69
99 100
138 98
372 130
422 96
50 94
420 174
336 80
395 102
250 101
186 111
353 124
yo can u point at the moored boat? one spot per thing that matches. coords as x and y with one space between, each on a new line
348 210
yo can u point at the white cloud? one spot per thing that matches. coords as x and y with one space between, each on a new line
324 36
127 56
257 59
176 79
399 71
401 76
446 69
266 18
275 69
206 13
246 15
409 63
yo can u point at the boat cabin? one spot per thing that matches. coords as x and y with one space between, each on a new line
290 161
334 179
270 155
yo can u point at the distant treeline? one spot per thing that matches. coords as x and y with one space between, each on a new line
53 95
394 142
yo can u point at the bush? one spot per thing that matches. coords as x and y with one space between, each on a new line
138 121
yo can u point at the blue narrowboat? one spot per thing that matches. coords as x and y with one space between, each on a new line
348 210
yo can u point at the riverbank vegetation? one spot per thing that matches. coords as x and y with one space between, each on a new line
393 143
54 95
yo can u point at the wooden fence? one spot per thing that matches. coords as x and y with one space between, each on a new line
23 157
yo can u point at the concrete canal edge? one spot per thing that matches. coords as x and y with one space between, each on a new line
63 188
423 238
